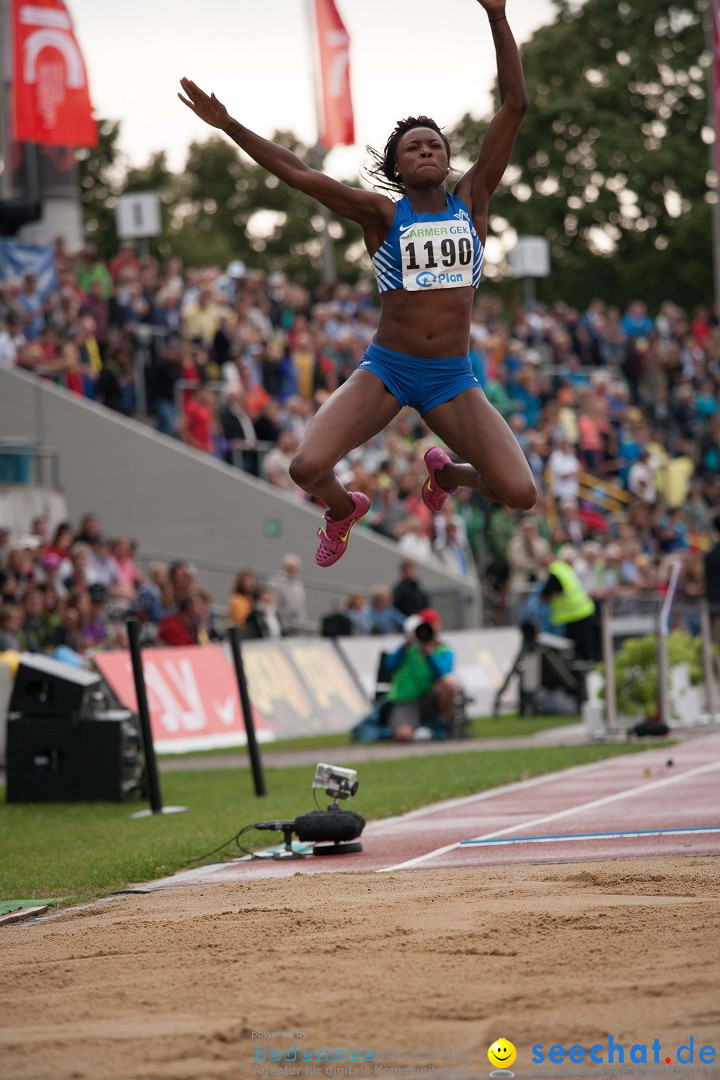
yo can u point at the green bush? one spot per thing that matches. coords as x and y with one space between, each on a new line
636 673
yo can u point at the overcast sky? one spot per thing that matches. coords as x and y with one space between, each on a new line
407 56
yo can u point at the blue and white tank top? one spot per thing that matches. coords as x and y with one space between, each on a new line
429 251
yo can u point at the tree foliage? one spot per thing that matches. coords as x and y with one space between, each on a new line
102 176
610 164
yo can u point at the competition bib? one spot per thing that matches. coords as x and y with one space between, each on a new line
437 255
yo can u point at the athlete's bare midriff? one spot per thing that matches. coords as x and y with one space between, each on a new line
428 324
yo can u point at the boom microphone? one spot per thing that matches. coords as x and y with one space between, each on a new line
333 829
337 826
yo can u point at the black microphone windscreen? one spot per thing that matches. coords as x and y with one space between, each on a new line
335 825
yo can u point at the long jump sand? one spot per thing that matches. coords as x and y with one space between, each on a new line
172 984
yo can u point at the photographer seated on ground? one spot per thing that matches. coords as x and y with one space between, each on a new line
420 701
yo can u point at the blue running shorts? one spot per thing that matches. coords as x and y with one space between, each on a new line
418 381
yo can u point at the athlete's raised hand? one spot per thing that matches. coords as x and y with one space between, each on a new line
494 8
207 107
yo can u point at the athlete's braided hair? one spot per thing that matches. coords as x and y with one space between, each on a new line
382 167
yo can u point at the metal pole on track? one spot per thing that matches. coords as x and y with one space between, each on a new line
151 769
663 663
708 666
252 744
608 655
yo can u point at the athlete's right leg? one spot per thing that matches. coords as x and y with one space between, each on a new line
354 413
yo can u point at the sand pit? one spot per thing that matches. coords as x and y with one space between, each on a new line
172 984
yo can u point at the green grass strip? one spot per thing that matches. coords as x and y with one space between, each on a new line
84 850
481 727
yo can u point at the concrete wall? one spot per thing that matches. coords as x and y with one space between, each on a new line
178 503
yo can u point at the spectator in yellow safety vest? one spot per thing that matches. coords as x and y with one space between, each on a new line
572 610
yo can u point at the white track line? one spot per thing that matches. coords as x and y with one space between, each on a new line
617 797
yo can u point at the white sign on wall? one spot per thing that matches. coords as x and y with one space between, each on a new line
138 215
530 257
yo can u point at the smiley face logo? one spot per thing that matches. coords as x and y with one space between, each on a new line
502 1053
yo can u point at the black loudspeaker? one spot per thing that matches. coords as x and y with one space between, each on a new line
44 687
51 760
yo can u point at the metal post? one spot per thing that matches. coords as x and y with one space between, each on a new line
662 645
662 670
714 151
708 667
133 628
329 268
253 750
151 770
608 655
5 76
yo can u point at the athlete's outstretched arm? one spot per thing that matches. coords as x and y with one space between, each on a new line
478 184
365 207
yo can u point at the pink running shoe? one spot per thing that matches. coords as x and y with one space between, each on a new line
433 495
334 537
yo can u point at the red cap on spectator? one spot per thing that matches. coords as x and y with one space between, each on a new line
429 615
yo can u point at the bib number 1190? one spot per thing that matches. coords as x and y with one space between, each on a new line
452 253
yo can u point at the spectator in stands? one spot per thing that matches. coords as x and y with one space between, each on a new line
77 579
408 595
414 540
30 304
641 478
243 597
275 467
12 341
198 425
182 581
180 627
238 430
21 564
11 620
36 632
359 613
565 467
207 632
165 373
94 628
452 551
384 616
290 596
526 555
115 386
263 620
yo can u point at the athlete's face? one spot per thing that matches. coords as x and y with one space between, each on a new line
421 156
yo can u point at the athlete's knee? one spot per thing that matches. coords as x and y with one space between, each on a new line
521 494
305 470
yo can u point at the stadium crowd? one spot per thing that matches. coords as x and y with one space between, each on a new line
618 413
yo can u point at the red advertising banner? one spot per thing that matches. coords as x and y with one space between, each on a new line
333 50
297 686
192 696
715 31
51 97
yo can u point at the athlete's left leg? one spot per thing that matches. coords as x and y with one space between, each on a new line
477 433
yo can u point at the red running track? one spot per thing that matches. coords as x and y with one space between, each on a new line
667 810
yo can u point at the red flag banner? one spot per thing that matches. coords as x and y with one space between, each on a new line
333 47
715 18
50 88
